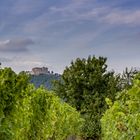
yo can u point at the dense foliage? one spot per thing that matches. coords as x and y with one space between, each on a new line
122 120
85 84
27 113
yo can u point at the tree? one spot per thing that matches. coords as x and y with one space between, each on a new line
85 84
52 119
27 113
11 91
122 120
127 77
44 79
11 87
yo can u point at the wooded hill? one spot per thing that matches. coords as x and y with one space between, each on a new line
44 79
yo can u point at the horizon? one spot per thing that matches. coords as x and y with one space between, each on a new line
53 33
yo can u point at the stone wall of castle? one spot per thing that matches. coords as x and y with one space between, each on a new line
38 70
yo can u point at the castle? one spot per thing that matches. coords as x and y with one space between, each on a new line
41 70
38 70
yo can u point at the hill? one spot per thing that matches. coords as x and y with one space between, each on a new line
45 80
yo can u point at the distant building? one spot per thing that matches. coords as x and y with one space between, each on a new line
38 70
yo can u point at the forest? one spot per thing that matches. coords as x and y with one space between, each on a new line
88 102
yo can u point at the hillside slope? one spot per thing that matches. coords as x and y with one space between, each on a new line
45 80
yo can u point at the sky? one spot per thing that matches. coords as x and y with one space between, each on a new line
52 33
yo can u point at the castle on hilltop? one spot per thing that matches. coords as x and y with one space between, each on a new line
40 70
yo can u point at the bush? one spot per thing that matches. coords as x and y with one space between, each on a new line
27 113
122 120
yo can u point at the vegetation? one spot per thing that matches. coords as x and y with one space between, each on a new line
127 78
27 113
122 120
44 79
94 103
85 84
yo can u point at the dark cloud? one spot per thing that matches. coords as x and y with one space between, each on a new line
15 45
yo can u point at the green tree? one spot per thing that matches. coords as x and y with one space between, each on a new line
27 113
11 89
122 120
52 119
44 79
85 84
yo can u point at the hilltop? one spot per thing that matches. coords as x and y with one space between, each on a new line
42 76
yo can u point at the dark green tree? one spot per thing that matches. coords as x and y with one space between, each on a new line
11 87
85 84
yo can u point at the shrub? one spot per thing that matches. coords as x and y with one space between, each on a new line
27 113
122 120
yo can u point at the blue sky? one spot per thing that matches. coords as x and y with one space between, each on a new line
52 33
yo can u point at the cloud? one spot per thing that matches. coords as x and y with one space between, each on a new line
77 11
117 16
74 12
26 63
24 7
4 59
15 45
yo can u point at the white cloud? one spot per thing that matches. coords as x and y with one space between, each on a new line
117 16
24 62
77 11
98 13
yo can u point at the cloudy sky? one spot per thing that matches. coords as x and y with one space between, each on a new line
53 32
